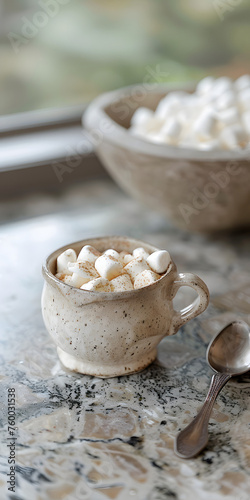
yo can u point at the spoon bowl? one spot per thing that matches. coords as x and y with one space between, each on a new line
229 351
228 354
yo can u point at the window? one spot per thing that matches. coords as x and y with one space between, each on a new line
56 53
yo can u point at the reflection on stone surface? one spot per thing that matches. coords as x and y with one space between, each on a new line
85 438
172 354
237 300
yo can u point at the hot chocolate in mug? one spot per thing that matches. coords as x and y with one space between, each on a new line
107 334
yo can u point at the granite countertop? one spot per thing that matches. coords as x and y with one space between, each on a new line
81 437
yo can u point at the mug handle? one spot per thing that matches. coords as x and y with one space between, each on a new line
192 310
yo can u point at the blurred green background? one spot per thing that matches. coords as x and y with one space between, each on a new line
80 48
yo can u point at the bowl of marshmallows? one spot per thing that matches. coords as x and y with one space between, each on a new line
182 152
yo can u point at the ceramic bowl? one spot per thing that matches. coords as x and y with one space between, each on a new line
200 191
114 333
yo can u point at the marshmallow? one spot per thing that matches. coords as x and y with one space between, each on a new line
97 285
242 82
228 138
169 104
112 253
226 100
85 270
77 281
72 280
127 258
240 133
234 137
205 85
108 267
140 252
159 261
122 283
89 254
141 115
228 116
136 266
122 256
153 125
65 278
204 126
171 130
184 116
64 259
145 278
221 85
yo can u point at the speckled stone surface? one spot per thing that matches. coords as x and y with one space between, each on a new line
80 437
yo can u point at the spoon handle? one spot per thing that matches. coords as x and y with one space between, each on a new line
191 440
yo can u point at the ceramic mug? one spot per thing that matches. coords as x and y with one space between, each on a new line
107 334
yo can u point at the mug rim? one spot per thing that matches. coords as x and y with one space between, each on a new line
50 277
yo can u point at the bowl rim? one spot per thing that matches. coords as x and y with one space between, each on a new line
100 126
50 277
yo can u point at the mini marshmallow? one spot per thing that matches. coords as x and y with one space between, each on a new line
141 115
226 100
122 255
140 252
88 254
153 125
108 267
204 126
85 270
228 116
221 85
136 266
112 253
171 130
205 85
228 138
240 133
65 278
145 278
171 103
184 116
127 258
242 82
122 283
159 261
64 259
97 285
77 281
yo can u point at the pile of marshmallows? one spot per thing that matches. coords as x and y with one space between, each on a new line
111 271
215 116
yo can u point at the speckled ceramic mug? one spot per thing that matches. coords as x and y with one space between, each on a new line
107 334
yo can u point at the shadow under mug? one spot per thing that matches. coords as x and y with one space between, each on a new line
107 334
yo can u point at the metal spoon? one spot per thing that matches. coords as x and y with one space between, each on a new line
228 354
